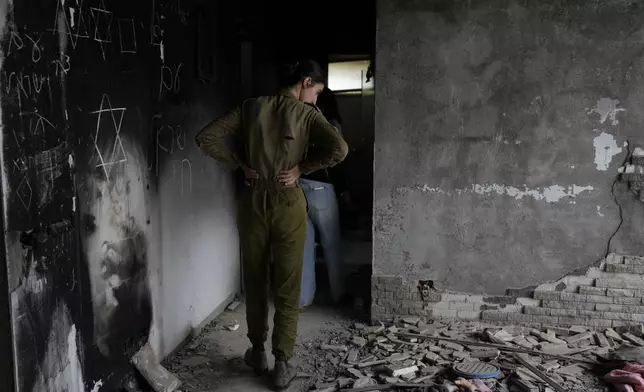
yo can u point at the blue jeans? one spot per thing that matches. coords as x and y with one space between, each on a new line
323 216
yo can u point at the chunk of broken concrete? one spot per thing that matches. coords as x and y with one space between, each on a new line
601 339
329 347
359 341
612 334
633 339
571 370
485 353
397 371
159 378
363 382
579 337
556 349
521 341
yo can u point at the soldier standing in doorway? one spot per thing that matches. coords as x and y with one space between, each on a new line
275 140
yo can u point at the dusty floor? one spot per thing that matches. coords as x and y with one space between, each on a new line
213 361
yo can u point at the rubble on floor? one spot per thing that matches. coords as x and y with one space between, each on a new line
413 355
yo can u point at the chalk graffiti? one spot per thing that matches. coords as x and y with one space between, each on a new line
117 153
26 86
38 123
102 26
185 175
170 80
127 35
74 27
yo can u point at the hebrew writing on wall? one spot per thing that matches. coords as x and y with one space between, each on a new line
85 95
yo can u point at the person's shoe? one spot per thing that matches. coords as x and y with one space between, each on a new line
256 359
283 375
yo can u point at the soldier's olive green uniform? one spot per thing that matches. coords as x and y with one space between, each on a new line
271 134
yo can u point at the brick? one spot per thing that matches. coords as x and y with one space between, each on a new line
572 297
547 295
613 283
461 306
535 311
620 292
590 290
599 323
563 312
616 316
468 314
634 260
493 315
444 313
625 268
621 308
543 320
637 317
411 303
571 321
627 300
601 299
390 280
568 305
455 297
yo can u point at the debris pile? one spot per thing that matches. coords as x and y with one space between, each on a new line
412 355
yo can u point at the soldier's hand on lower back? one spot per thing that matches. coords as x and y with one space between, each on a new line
289 177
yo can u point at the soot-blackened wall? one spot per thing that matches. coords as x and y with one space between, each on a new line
102 184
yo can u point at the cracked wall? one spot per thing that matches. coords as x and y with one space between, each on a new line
500 127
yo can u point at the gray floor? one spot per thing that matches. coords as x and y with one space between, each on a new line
213 361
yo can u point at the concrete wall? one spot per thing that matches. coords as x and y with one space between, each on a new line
117 230
500 126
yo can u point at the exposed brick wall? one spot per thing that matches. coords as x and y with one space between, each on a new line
609 295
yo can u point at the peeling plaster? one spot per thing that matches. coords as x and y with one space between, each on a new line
605 149
551 194
606 108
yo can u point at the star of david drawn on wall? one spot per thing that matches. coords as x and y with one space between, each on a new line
116 154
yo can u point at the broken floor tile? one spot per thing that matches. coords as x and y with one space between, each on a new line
571 370
532 340
557 349
452 346
601 339
397 371
579 337
363 382
485 353
411 320
578 329
633 339
610 333
521 341
525 374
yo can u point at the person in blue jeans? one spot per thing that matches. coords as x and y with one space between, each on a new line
323 218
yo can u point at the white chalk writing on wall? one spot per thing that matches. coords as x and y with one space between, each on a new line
117 153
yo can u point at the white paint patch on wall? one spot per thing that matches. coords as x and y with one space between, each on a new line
97 386
551 194
599 211
605 149
607 108
61 369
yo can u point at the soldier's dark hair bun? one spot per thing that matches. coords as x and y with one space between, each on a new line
293 73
